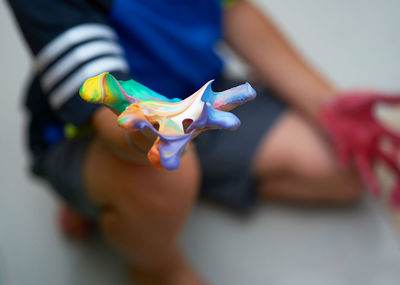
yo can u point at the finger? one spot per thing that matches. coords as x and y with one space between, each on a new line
170 149
105 89
389 161
150 135
395 150
132 117
231 98
363 163
136 139
395 137
395 196
387 98
154 155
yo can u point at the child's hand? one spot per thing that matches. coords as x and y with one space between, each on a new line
356 134
132 145
174 122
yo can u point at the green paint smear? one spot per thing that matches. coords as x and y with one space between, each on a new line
135 90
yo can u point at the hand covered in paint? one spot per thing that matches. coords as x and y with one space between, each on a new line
174 122
356 133
132 146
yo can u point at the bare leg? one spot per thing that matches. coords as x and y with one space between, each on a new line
295 164
143 212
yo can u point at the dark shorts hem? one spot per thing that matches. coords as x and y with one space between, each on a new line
62 167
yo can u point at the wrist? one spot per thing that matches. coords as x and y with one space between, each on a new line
318 101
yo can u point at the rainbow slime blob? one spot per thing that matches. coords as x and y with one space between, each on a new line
174 121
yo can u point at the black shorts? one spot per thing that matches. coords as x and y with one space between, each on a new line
225 157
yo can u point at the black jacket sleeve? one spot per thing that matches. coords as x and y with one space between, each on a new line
71 41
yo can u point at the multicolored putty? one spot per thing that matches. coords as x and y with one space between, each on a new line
174 121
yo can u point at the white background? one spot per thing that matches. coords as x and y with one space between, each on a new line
355 43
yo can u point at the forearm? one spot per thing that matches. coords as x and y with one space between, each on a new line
255 38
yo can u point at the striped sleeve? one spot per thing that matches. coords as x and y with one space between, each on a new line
71 41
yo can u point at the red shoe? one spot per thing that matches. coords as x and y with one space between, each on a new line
74 225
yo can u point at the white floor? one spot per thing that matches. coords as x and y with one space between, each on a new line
356 43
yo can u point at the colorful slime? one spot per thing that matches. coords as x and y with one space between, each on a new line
357 135
174 121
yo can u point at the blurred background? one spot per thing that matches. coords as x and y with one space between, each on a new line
355 43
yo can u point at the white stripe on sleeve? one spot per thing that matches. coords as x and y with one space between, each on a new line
70 86
70 38
76 57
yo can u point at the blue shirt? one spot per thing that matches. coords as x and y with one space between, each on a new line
170 44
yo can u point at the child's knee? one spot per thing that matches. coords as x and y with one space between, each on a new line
350 187
339 185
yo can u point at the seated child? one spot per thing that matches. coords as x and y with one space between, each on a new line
278 153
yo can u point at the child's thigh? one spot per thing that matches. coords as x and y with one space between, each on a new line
295 163
293 145
297 147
